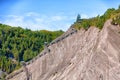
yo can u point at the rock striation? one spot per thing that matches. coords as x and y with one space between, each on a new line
77 55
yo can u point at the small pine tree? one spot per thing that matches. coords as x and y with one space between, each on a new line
119 7
78 18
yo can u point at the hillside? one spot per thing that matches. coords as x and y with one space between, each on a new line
17 44
89 50
82 55
99 20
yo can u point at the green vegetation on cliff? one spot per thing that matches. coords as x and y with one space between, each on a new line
17 44
99 21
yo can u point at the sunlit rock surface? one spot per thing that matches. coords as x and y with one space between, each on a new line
86 55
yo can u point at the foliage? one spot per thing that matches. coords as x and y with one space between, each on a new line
99 21
116 17
78 18
17 44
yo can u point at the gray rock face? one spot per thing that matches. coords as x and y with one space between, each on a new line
1 72
86 55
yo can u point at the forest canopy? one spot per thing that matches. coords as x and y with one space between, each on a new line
17 44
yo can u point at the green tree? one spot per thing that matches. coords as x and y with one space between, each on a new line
17 44
78 18
119 7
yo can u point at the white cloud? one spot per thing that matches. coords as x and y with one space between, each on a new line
35 21
32 14
58 18
84 16
39 20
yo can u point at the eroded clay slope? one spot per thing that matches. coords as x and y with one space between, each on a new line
85 55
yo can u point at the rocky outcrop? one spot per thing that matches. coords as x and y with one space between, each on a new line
78 55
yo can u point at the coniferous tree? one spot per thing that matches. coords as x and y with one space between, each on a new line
119 7
17 44
78 18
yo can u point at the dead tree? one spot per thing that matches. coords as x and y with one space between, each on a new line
46 47
25 69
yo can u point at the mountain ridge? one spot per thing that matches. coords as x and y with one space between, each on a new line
91 54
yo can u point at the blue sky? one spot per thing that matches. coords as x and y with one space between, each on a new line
50 14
